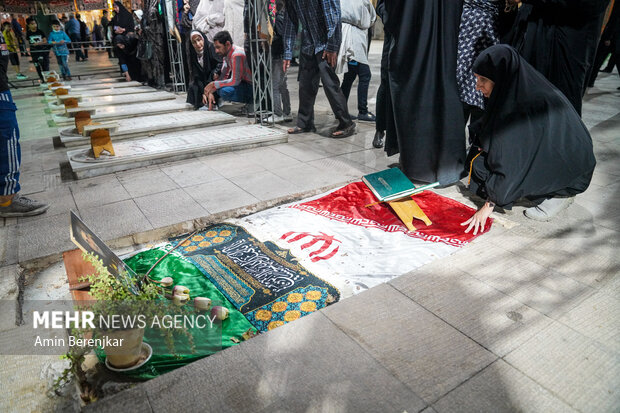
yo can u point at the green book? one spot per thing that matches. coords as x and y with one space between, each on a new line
392 184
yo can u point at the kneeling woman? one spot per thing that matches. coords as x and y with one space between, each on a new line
126 47
530 143
205 63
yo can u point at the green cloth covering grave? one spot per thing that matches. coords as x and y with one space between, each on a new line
186 274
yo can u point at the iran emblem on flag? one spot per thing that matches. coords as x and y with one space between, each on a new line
354 247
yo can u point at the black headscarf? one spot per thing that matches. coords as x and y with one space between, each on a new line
123 18
535 142
129 41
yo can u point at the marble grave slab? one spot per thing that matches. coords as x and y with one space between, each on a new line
97 86
99 101
172 147
105 92
144 125
131 110
89 81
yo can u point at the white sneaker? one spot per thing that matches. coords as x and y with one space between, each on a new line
548 209
275 119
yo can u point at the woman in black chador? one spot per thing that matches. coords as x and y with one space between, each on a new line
559 38
530 143
125 47
122 22
204 62
426 123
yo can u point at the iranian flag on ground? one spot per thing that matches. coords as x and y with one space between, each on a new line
355 247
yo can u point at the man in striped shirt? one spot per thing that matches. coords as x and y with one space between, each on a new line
11 204
236 78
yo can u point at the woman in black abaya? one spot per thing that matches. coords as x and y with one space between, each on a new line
427 125
559 38
204 63
125 48
122 22
531 141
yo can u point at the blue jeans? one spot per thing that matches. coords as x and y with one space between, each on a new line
10 153
64 66
240 93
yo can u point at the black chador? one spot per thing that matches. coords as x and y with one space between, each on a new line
531 142
426 124
126 54
559 38
204 65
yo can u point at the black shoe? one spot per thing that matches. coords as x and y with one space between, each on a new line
366 117
377 142
606 70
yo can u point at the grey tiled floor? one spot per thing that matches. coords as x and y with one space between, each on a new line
523 319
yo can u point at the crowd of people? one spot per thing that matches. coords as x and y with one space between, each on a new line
487 88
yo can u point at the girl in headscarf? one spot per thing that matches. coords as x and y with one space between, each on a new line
125 47
531 142
204 63
122 22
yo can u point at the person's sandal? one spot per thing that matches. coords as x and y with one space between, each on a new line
344 133
296 130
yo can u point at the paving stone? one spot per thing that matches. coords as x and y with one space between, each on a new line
533 284
371 158
588 256
333 147
226 381
9 291
188 173
60 202
25 384
169 208
127 220
41 238
306 177
31 183
501 388
422 351
221 195
9 241
597 318
574 367
294 359
269 158
98 191
146 182
302 151
264 185
491 318
363 139
130 400
341 164
230 165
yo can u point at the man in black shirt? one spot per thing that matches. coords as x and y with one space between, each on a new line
39 50
11 203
